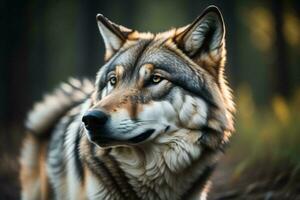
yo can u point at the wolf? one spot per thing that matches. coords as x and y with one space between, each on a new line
151 126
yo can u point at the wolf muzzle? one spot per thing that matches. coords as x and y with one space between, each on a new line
97 125
94 120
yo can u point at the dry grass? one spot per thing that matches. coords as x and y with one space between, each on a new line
263 160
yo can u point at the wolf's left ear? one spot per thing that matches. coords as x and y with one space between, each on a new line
203 40
114 35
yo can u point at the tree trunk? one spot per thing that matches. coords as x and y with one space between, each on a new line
281 84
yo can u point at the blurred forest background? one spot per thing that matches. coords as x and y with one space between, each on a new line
44 42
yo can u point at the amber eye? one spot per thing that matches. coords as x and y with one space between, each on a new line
156 78
113 80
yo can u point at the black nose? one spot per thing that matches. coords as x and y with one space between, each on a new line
94 119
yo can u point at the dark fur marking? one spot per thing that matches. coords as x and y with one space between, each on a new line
99 168
200 88
135 99
134 102
78 165
122 180
57 140
112 27
211 138
139 55
199 183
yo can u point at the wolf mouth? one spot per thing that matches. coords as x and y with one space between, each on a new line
143 136
106 140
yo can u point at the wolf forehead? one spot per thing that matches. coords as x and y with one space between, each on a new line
157 53
191 57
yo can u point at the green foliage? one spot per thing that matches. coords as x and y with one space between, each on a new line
268 135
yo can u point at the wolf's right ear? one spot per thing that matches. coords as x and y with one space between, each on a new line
113 35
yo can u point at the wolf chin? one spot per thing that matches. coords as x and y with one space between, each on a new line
152 126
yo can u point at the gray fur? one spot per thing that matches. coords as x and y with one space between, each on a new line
161 89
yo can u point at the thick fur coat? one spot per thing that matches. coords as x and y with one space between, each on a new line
152 126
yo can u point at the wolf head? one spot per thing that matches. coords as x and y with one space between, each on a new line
157 86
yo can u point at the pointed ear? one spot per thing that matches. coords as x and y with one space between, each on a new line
203 40
113 35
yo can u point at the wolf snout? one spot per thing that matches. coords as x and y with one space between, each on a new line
94 119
